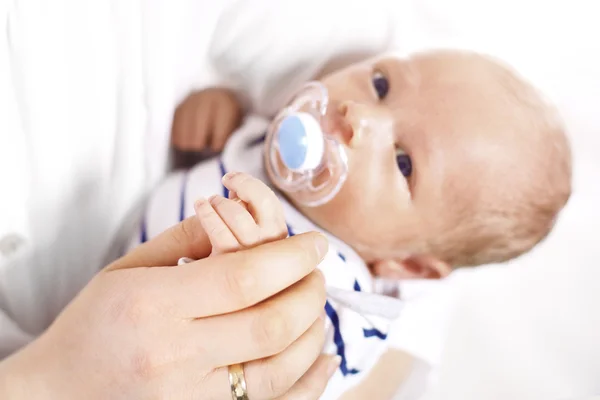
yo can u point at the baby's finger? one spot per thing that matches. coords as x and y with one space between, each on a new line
238 219
219 234
182 126
201 128
227 118
233 196
262 202
223 126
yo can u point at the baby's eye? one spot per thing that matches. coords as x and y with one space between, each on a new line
381 85
404 162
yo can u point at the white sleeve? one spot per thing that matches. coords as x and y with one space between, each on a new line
11 336
268 48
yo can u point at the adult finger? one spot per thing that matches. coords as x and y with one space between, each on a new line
234 281
312 385
273 376
269 327
186 239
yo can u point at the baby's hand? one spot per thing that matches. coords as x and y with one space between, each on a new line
206 119
252 215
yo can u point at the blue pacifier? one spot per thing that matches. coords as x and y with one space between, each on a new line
301 158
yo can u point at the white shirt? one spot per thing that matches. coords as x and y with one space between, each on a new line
72 165
87 90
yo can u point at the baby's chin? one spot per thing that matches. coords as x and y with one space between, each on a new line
376 251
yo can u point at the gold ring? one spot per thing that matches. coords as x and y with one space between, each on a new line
237 382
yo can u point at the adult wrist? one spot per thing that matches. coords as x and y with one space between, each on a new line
30 374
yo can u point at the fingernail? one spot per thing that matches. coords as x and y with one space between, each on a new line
322 246
333 365
228 176
212 199
199 202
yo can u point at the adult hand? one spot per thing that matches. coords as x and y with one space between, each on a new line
170 332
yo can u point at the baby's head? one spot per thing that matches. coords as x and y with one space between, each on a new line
487 165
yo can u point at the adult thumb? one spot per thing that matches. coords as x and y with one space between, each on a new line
186 239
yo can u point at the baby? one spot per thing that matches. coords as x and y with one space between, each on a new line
462 164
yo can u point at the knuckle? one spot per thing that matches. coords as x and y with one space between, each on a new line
144 364
272 331
273 234
249 238
240 217
276 382
241 284
217 230
183 233
282 233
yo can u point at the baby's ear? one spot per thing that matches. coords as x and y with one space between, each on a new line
413 267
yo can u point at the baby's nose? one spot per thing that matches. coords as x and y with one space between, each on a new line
364 123
336 123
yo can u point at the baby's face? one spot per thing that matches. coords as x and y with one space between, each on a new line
418 136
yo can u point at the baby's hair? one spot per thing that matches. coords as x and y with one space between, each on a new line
523 194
